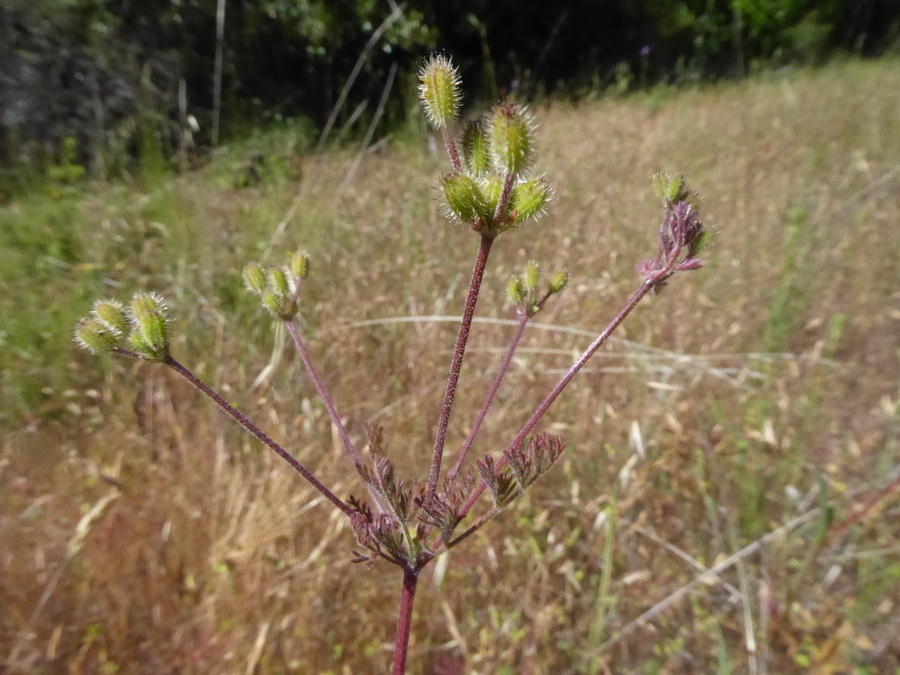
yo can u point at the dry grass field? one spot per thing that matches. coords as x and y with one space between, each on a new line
729 501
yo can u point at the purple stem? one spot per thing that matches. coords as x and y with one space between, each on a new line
563 383
404 623
238 417
456 364
492 392
320 389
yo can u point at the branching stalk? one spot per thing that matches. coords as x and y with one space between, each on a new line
320 390
238 417
563 383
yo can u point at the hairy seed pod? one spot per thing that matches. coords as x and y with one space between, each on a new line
529 198
463 197
559 281
439 90
278 281
300 264
111 314
516 289
150 325
510 132
254 278
93 335
475 148
532 276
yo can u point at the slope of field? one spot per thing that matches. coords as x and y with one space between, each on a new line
745 419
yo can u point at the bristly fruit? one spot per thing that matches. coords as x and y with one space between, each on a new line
529 198
300 264
510 131
531 276
94 336
149 326
517 291
440 91
465 200
111 315
475 148
559 281
254 278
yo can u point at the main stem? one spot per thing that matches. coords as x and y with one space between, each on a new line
238 417
456 364
404 623
563 383
492 392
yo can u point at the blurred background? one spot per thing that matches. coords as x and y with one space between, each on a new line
119 77
746 419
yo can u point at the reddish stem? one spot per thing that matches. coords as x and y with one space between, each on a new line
450 144
404 623
320 389
238 417
456 364
492 392
562 384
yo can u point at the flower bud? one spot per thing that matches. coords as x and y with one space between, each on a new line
300 264
93 335
465 200
528 198
531 277
439 90
509 131
254 278
559 281
111 315
475 150
517 290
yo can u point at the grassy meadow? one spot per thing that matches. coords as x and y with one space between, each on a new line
746 420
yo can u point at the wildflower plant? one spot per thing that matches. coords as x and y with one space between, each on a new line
491 188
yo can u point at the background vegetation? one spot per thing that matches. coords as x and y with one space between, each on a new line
119 77
753 407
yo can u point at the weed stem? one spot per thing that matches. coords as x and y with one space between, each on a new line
320 389
492 392
404 623
238 417
563 383
456 364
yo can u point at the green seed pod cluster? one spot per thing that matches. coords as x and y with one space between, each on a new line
277 287
523 288
144 322
489 188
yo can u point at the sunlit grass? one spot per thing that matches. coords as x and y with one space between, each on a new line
744 396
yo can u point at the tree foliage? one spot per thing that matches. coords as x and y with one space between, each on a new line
107 73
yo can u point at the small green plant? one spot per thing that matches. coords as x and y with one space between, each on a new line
492 189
